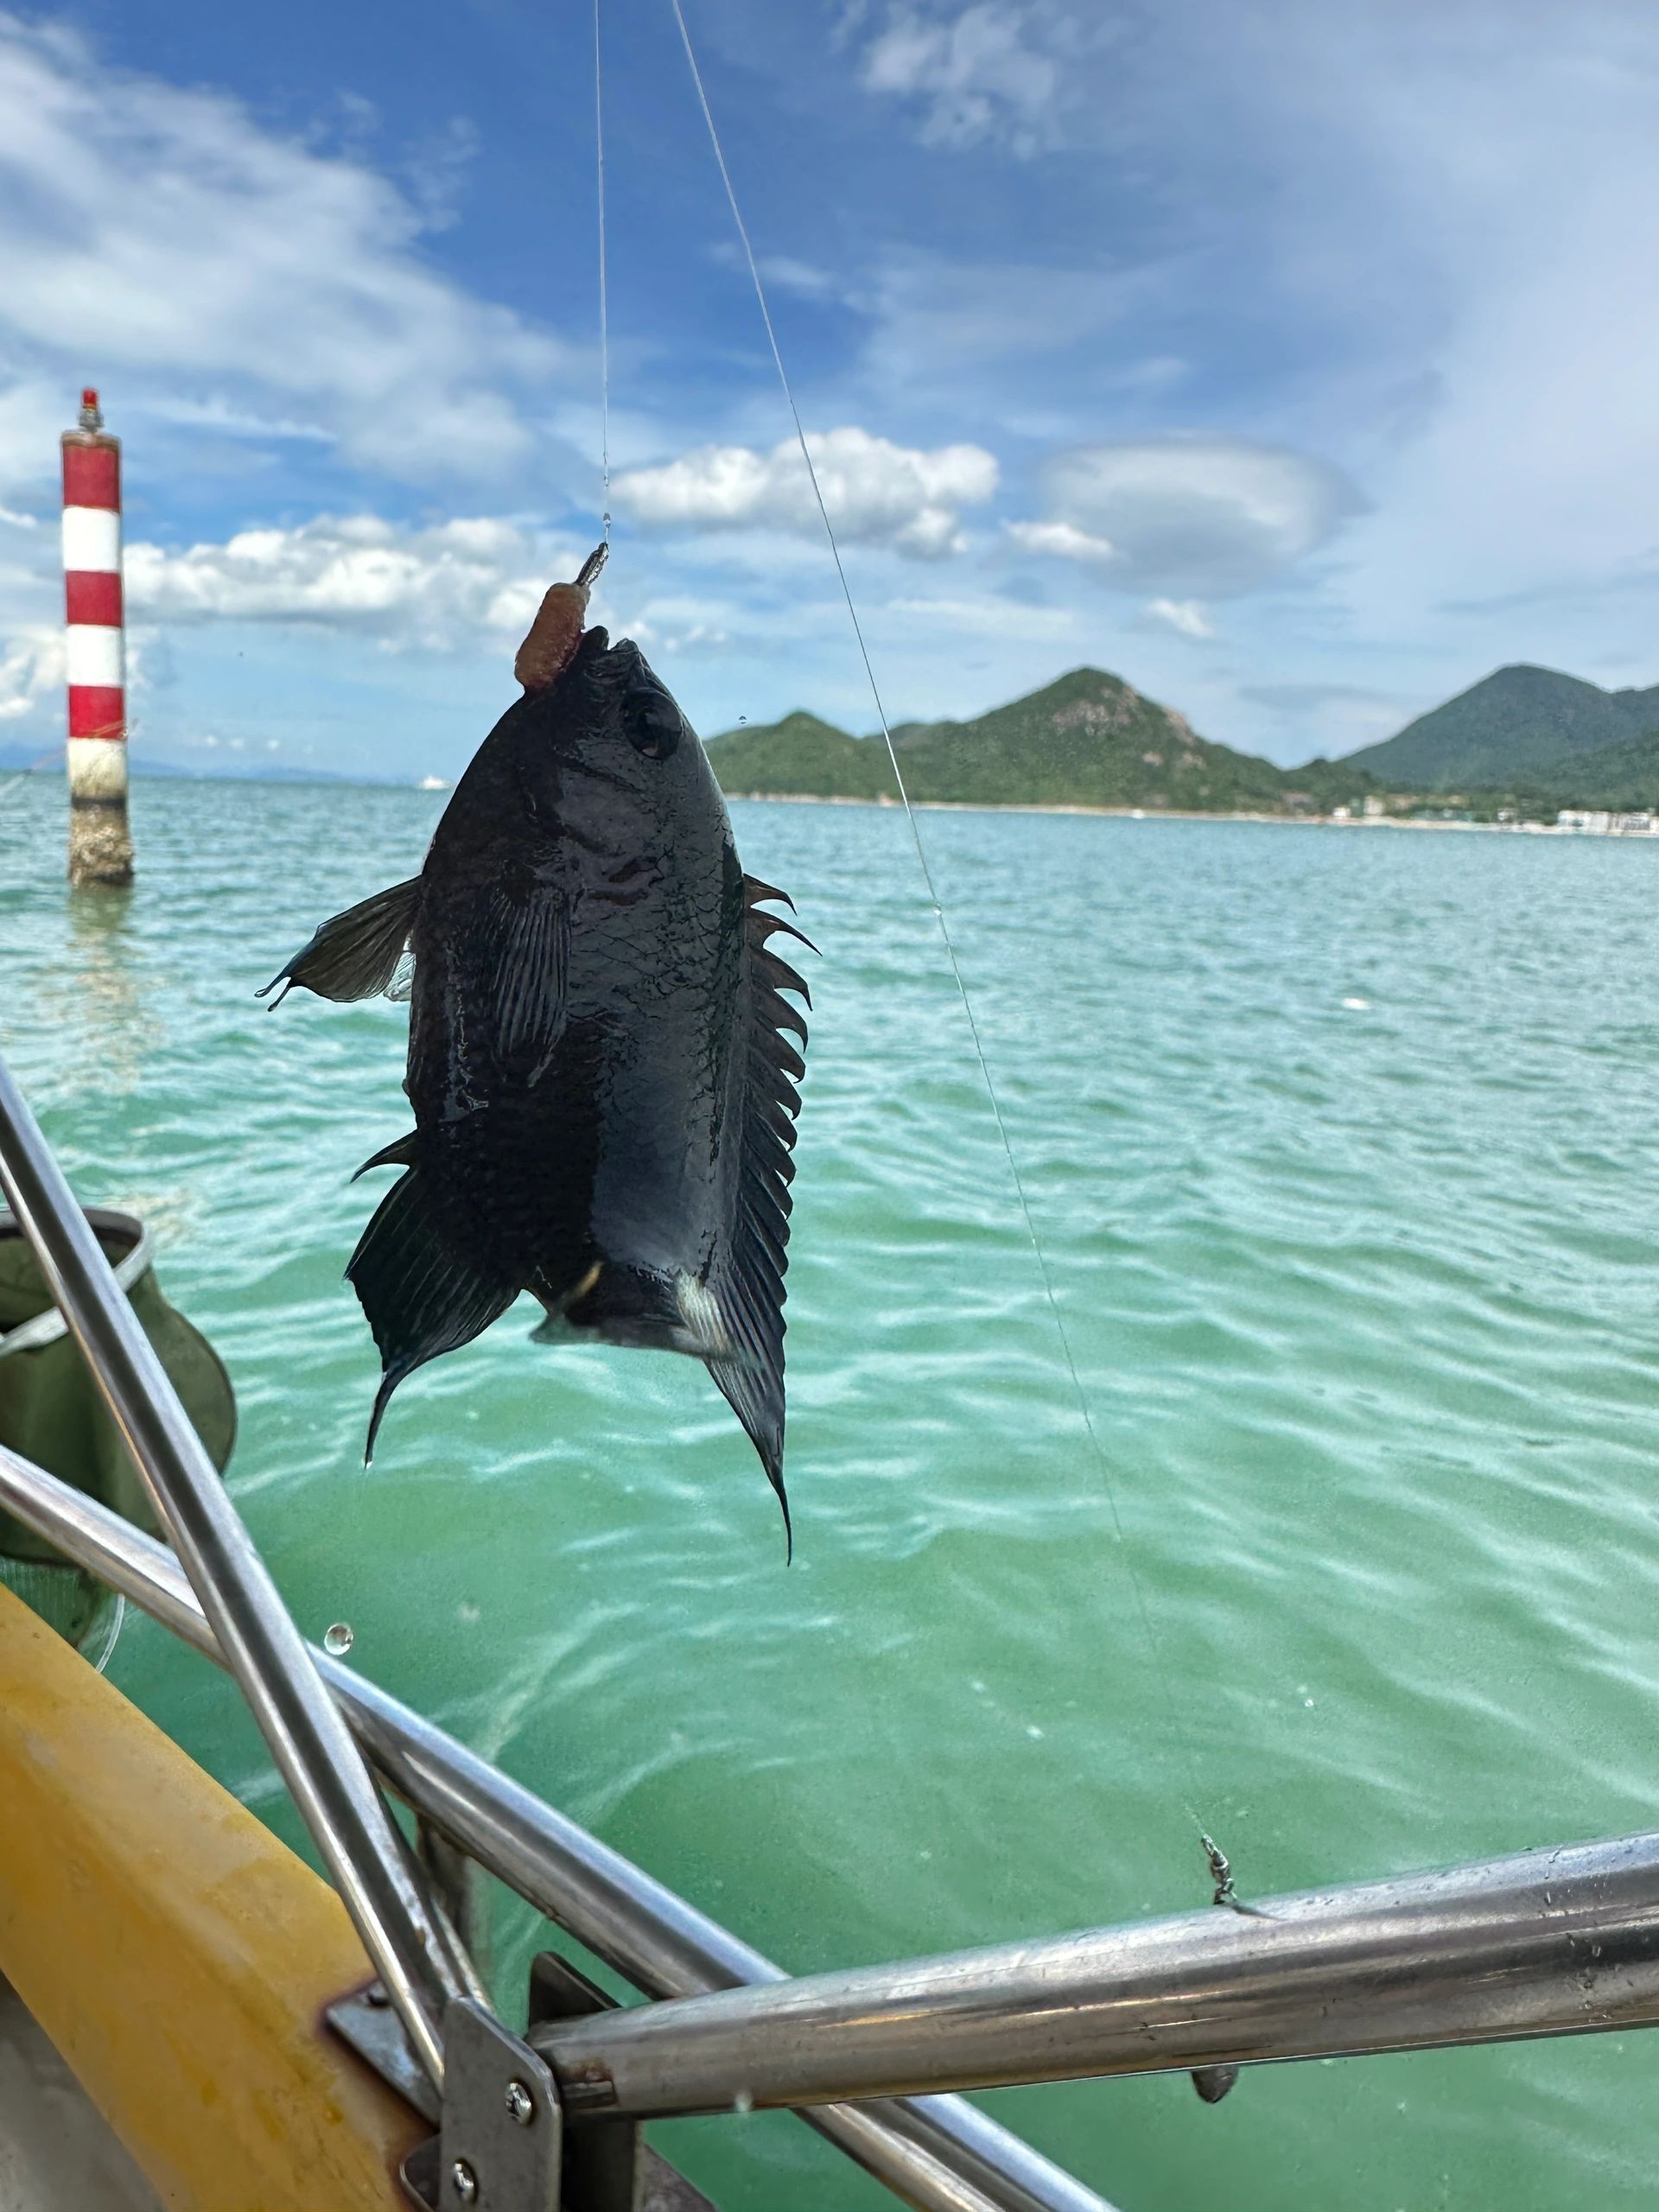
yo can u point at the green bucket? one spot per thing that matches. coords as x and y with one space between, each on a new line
51 1413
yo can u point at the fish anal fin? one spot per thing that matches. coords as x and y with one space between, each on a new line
775 925
781 976
356 954
745 1280
777 1010
754 889
400 1152
422 1296
762 926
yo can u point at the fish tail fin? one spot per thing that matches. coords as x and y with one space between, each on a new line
422 1297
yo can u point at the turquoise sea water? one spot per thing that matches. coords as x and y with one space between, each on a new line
1342 1146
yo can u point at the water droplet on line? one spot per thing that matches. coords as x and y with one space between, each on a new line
337 1639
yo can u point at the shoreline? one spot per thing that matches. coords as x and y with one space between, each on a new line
1180 814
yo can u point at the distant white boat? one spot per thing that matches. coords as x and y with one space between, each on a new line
432 784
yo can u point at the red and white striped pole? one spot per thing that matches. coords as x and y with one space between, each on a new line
100 842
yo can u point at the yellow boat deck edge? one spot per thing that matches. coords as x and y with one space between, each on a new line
177 1956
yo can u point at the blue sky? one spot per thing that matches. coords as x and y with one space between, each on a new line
1296 363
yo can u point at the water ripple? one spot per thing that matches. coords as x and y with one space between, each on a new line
1363 1295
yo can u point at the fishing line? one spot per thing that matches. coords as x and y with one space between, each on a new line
33 767
604 294
1178 1738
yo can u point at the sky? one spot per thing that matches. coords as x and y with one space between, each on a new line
1296 363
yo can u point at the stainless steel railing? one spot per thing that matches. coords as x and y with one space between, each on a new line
413 1952
1546 1943
939 2154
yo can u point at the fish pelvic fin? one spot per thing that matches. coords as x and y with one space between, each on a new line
745 1280
422 1297
356 954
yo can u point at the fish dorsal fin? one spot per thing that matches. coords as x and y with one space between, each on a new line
356 954
747 1278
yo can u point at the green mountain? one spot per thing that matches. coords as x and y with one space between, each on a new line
1623 778
1520 724
803 758
1087 740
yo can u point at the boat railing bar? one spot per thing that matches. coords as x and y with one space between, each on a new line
939 2154
1544 1943
314 1750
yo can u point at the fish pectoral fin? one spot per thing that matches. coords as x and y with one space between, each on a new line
422 1298
400 1152
532 967
357 953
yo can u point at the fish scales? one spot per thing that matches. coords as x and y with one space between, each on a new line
603 1091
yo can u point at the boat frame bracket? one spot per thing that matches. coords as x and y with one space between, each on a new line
367 2021
503 2145
607 2166
500 2143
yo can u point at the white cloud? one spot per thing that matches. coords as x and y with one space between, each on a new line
166 236
31 668
985 74
781 272
877 494
1210 515
1183 614
985 616
439 588
1062 539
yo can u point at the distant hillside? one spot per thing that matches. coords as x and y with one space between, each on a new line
1623 775
1519 724
803 757
143 766
1623 778
1087 740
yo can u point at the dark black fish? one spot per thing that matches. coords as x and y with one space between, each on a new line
603 1092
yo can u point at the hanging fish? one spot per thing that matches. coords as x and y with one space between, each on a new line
603 1088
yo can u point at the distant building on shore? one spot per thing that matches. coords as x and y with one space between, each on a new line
1603 822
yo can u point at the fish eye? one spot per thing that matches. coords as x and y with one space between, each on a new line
653 724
